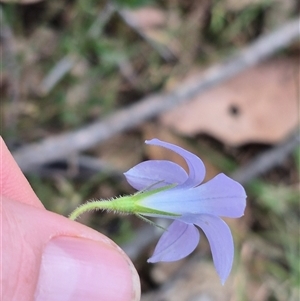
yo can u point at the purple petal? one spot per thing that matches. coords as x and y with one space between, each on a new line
220 240
195 164
177 242
155 173
220 196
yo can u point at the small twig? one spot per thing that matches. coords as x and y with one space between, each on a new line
259 165
76 167
104 16
267 160
61 68
53 148
128 72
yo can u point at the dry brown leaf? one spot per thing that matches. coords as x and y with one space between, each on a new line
259 105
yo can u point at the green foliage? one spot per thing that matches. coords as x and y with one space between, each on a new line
228 26
279 199
133 3
280 204
297 158
125 232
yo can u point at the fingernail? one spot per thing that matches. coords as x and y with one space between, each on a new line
79 269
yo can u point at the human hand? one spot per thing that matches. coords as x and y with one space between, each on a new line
46 256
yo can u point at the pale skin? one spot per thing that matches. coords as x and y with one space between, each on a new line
27 228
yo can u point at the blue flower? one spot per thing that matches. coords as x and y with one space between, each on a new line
189 204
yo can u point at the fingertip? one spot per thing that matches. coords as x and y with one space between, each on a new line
75 268
14 184
64 259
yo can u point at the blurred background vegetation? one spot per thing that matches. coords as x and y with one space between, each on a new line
68 63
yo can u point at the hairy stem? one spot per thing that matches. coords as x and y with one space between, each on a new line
89 206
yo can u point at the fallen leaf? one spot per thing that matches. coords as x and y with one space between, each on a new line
259 105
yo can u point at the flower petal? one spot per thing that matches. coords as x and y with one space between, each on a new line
155 173
195 164
220 196
220 240
177 242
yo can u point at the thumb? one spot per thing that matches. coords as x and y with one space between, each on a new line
48 257
45 256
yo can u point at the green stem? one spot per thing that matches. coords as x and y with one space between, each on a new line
130 204
89 206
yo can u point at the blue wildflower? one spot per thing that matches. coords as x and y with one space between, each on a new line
189 204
